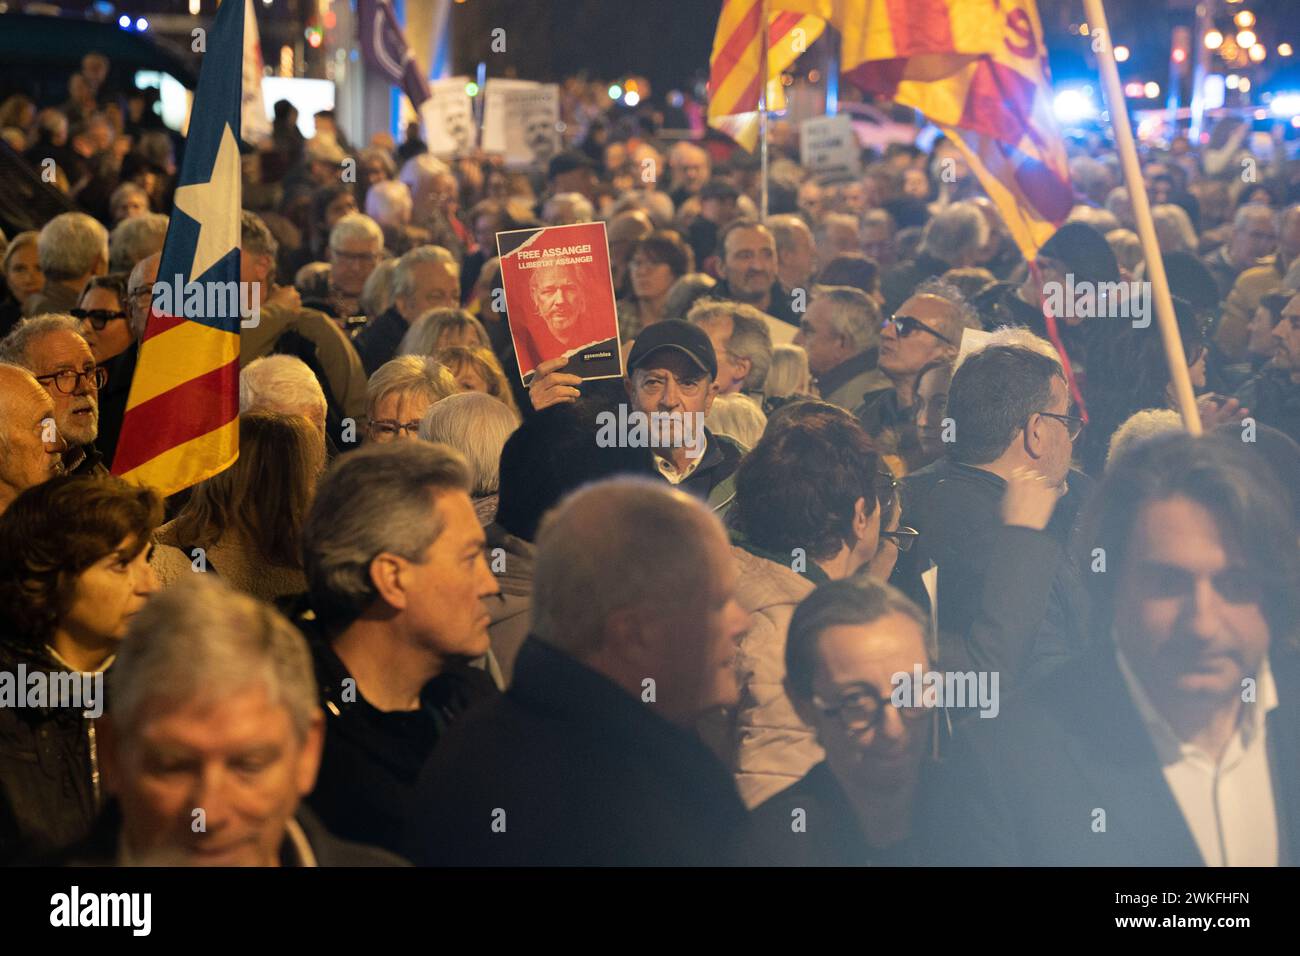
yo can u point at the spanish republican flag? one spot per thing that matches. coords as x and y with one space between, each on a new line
736 63
181 424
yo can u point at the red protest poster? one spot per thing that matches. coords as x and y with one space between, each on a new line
560 299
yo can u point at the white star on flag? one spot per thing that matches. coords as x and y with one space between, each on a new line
214 205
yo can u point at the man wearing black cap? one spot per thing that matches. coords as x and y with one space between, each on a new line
748 252
671 369
572 172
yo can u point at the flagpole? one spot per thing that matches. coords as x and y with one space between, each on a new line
762 114
1155 266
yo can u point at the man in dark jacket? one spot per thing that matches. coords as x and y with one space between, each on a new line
396 567
589 759
996 515
1175 740
1273 395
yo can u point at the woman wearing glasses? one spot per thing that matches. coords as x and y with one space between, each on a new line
74 569
103 314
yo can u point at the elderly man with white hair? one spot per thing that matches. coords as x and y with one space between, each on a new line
477 426
435 192
52 348
283 384
355 247
73 248
567 209
208 680
425 278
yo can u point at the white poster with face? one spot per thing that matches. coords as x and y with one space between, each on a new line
448 117
521 120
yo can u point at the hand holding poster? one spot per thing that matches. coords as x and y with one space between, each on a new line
448 118
560 299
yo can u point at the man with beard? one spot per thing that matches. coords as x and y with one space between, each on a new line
560 324
748 253
52 349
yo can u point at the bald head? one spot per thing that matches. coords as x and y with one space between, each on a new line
29 443
635 578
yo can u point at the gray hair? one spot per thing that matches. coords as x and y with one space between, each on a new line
879 217
133 239
1127 248
201 641
423 335
955 233
280 383
1139 427
404 272
476 425
382 155
1254 211
853 315
373 501
255 238
738 417
356 225
69 245
1015 336
15 348
422 168
789 374
750 337
135 281
409 373
580 575
1173 228
966 316
377 294
579 209
122 192
389 203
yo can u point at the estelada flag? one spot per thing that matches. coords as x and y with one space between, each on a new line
736 62
181 424
978 70
560 299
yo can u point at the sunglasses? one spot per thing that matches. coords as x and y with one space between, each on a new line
905 325
98 318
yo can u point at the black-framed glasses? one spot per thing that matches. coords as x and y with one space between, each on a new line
386 429
69 380
905 325
902 536
863 711
98 318
1073 423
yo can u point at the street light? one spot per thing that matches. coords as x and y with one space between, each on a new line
1284 49
1121 54
1257 53
1152 90
1213 40
1244 19
1246 39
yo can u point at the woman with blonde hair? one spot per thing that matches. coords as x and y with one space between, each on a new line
245 523
400 392
477 370
440 329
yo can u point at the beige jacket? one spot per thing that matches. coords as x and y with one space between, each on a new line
771 747
1240 305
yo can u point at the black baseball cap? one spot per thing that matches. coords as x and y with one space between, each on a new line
674 334
719 189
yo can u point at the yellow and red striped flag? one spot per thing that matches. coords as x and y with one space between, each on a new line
181 424
736 63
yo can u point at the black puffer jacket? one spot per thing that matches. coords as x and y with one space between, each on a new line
49 774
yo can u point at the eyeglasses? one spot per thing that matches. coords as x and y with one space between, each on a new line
863 711
1073 423
386 429
69 380
360 258
905 325
98 318
886 488
903 537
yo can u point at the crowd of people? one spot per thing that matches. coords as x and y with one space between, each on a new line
926 589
